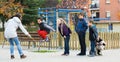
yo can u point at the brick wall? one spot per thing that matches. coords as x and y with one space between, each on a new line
113 7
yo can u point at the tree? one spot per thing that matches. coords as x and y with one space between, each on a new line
8 8
51 3
31 10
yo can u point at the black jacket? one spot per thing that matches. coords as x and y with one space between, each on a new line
43 27
93 34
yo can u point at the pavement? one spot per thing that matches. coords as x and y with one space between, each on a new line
112 55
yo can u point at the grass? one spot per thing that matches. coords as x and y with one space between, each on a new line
44 51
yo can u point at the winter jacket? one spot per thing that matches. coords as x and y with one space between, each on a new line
11 27
81 26
47 28
64 30
93 34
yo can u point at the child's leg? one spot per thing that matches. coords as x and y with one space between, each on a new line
47 39
99 52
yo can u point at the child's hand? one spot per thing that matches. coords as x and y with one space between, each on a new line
32 39
29 36
64 36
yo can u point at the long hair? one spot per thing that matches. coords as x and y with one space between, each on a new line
62 21
17 15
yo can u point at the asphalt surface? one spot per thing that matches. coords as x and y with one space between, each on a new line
108 56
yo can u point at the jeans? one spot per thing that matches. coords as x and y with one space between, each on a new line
17 42
92 51
66 44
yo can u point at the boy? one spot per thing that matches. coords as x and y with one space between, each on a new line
93 36
81 28
44 29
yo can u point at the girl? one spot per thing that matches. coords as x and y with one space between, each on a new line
65 32
10 34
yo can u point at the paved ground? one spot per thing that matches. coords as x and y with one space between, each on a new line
108 56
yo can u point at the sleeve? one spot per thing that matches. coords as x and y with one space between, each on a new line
85 26
69 30
60 31
21 26
23 29
17 19
95 32
49 27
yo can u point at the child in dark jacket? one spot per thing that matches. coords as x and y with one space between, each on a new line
93 36
44 29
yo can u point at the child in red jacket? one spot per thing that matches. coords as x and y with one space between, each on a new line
44 29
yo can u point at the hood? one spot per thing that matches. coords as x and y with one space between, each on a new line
16 19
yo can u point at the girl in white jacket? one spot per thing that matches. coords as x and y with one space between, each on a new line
11 35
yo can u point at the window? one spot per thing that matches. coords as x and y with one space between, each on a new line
107 1
107 14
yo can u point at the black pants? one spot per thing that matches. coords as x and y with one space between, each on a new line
81 36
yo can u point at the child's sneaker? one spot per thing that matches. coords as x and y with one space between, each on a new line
23 56
47 39
91 55
12 56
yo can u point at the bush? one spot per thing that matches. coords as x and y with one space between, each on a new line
1 30
32 28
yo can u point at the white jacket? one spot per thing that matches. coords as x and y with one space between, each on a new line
11 28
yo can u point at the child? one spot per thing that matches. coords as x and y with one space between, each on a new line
10 34
93 36
100 44
44 29
65 33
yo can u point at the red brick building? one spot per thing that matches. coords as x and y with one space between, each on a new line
75 4
110 8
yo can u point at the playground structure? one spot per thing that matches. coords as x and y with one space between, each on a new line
50 15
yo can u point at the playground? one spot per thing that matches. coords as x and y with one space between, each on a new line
68 10
111 54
